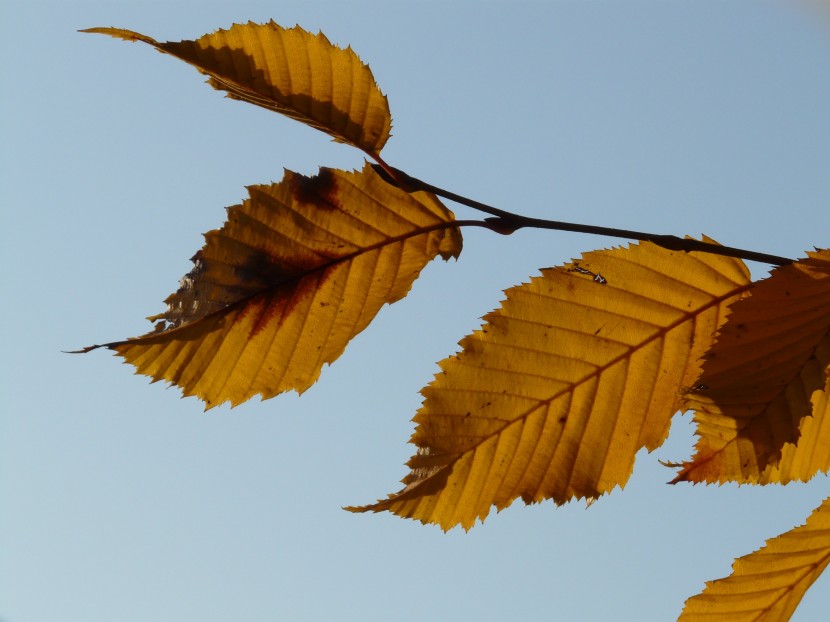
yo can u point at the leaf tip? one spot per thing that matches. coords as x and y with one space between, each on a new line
84 350
120 33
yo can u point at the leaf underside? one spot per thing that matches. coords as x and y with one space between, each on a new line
810 455
290 71
299 269
765 375
767 585
554 395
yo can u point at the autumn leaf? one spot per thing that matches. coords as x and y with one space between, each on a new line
762 376
810 454
299 269
767 585
290 71
578 370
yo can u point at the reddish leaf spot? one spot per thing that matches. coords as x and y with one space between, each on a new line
279 303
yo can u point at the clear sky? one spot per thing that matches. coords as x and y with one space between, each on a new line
119 501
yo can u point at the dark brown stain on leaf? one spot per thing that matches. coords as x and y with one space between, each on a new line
263 270
280 303
319 190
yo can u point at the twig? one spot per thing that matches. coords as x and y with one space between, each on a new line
507 222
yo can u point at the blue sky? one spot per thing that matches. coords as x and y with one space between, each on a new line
119 501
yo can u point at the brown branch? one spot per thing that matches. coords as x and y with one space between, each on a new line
507 222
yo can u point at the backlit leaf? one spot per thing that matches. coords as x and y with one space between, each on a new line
290 71
810 454
759 379
578 370
299 269
767 585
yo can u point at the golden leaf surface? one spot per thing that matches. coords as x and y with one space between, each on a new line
759 379
298 269
578 370
767 585
810 454
290 71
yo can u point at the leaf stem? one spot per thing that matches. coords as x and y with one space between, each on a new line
507 222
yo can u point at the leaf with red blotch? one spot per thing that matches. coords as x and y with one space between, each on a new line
299 269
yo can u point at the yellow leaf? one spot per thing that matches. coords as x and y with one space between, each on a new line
299 269
555 394
759 379
767 585
290 71
810 454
